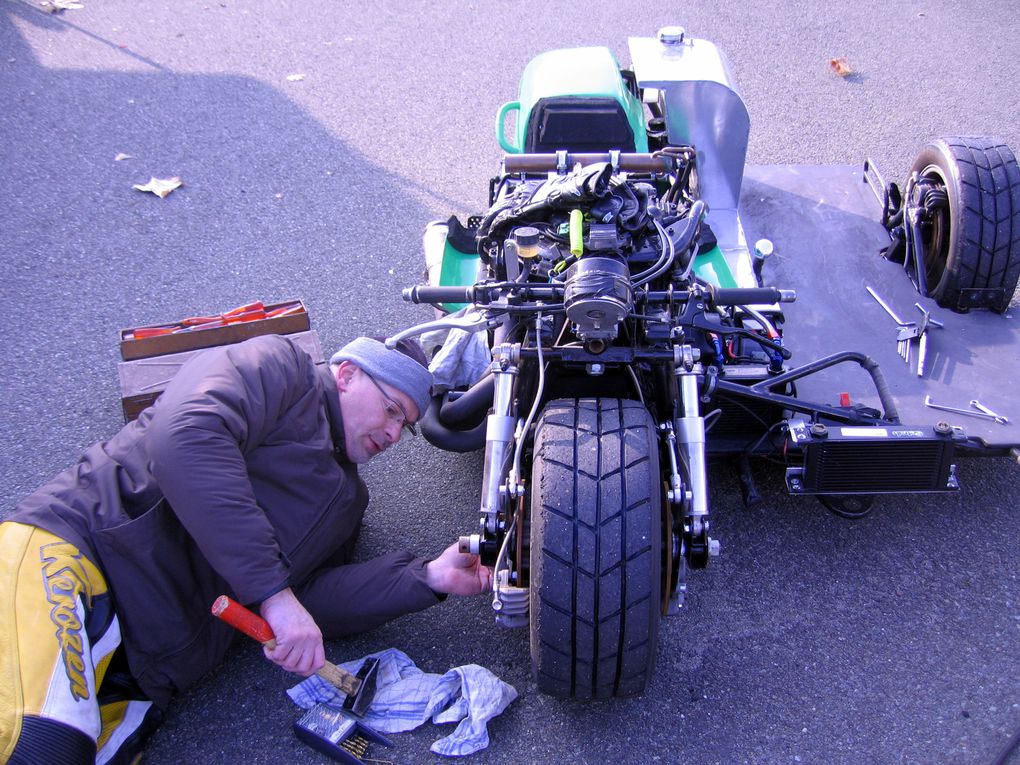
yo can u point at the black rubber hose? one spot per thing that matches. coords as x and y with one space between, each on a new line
672 249
472 405
866 362
445 438
884 394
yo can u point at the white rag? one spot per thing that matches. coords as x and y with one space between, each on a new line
406 697
463 359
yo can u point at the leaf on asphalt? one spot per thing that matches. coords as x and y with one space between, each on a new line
295 77
121 156
56 6
160 186
841 66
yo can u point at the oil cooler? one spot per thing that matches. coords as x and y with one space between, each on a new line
889 459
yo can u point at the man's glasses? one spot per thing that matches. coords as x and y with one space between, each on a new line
394 410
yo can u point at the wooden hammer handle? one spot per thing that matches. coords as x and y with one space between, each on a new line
254 626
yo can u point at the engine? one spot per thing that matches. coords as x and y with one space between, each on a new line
598 234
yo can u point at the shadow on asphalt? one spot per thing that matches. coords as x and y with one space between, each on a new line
273 206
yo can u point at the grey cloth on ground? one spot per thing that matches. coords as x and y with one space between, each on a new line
463 359
406 697
391 367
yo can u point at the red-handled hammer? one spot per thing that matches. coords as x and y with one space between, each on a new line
359 688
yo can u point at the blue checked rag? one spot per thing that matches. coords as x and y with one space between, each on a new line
406 697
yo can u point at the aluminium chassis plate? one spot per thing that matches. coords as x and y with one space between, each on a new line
824 223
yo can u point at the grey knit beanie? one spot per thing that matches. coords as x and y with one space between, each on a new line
391 367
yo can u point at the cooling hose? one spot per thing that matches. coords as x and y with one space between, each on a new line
445 438
867 363
473 404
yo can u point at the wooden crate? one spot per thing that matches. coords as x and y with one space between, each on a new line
162 345
143 380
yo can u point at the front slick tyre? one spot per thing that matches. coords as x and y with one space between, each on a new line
596 539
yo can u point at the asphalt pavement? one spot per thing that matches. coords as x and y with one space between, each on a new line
315 140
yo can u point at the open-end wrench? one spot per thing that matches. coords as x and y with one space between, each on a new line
998 417
969 412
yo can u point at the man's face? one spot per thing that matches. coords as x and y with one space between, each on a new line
373 412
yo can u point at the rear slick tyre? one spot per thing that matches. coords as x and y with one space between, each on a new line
973 243
596 549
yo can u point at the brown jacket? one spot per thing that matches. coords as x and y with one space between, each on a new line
235 482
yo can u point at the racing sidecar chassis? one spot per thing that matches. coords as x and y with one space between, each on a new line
629 331
824 224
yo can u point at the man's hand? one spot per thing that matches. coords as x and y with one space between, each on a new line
457 573
298 639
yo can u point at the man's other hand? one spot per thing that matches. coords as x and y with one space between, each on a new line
298 639
457 573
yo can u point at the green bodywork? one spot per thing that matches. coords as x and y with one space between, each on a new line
581 72
459 269
713 268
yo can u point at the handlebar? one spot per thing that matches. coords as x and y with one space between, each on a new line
423 294
481 293
750 296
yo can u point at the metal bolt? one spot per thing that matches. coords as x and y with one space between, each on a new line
818 430
943 428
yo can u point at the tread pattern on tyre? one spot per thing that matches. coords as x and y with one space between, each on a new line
987 244
595 561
